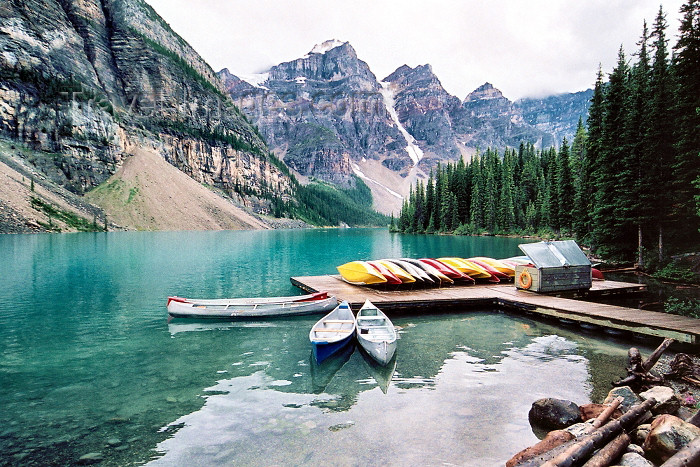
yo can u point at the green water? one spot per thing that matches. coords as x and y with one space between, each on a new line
89 363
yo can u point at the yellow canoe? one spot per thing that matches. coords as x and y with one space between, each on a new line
497 265
399 272
361 273
467 267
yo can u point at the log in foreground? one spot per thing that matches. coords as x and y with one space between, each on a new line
605 415
553 440
610 452
581 450
558 440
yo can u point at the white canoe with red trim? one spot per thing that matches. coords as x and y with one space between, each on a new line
251 308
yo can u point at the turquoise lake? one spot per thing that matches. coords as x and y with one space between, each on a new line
90 364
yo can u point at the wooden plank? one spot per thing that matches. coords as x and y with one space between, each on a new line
644 322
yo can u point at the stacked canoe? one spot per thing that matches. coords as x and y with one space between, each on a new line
428 272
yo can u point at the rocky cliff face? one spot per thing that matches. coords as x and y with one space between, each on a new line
321 112
325 113
425 110
90 80
488 119
556 115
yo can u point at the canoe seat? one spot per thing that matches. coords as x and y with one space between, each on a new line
338 321
332 330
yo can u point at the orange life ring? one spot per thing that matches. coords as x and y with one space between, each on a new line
525 280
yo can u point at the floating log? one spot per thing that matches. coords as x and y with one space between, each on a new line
608 454
581 450
689 456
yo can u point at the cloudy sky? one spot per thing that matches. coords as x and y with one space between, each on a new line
524 48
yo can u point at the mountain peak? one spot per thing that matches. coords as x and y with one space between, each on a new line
332 60
324 47
402 72
485 91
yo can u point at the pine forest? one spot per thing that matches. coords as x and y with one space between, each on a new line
628 184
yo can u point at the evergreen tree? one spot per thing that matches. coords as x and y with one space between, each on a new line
541 202
445 207
517 173
476 210
565 188
660 141
531 216
594 149
640 183
550 205
491 181
580 174
507 195
454 212
529 190
431 225
412 218
437 201
461 190
686 167
421 220
430 199
608 228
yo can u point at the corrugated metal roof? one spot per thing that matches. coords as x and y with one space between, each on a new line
555 254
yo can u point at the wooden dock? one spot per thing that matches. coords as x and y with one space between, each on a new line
507 297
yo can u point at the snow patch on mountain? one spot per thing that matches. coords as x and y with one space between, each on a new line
414 152
356 169
256 80
324 47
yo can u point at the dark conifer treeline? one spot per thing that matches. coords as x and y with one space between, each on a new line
524 191
629 183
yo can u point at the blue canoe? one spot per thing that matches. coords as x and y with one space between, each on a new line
332 332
